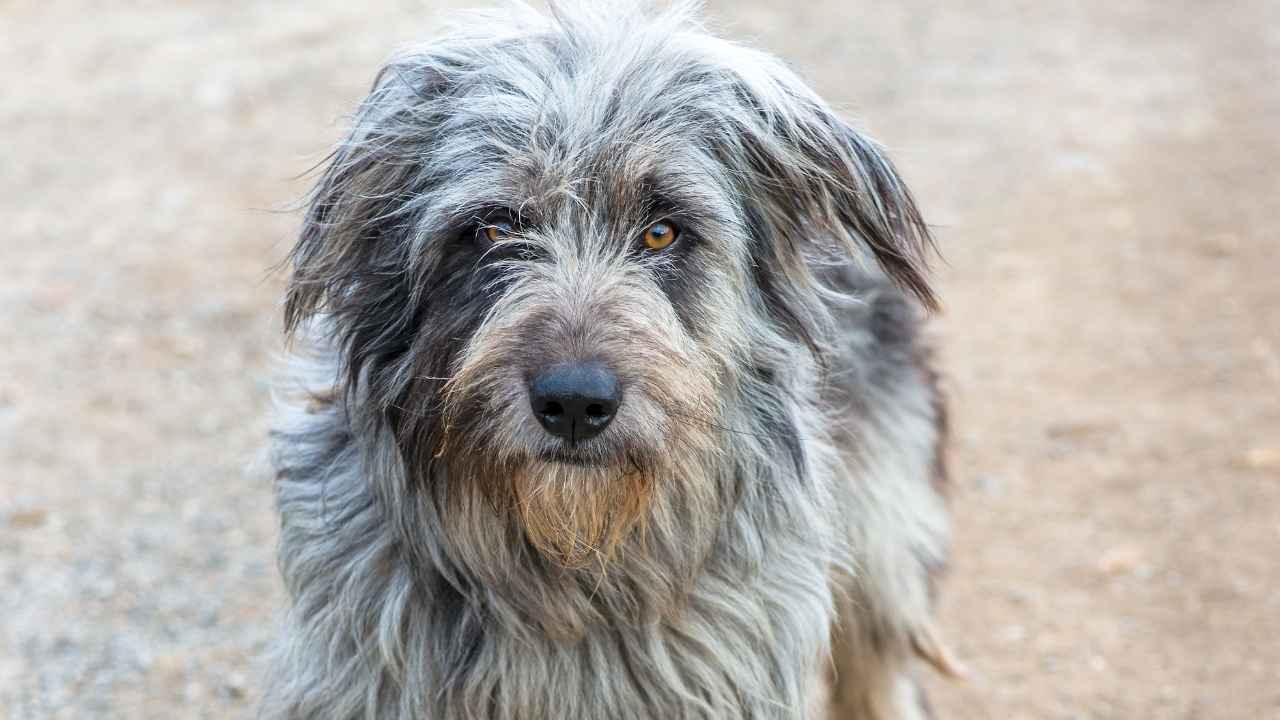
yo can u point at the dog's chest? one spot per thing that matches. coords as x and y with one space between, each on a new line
736 651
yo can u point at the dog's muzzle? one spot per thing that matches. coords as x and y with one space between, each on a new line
575 401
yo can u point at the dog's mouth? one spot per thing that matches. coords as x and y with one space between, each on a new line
595 454
572 456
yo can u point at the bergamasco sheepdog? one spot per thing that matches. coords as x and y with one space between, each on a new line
607 396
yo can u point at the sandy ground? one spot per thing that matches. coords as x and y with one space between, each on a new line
1104 177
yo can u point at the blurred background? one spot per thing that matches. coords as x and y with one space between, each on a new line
1105 181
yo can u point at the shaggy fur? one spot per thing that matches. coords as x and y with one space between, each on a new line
772 476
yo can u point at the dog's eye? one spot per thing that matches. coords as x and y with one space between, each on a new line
660 235
496 230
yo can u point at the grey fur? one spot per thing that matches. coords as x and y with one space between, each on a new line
773 472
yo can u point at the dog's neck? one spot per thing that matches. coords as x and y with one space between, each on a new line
440 618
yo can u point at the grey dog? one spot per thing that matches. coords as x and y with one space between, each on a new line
608 398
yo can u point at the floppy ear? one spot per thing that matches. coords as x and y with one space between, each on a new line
359 255
364 197
824 181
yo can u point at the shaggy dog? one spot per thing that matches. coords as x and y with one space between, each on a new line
612 403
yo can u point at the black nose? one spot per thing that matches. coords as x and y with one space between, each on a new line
575 401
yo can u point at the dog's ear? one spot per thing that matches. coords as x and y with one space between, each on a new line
364 195
822 180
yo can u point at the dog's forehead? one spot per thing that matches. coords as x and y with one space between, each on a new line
559 123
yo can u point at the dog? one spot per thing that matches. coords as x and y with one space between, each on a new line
608 396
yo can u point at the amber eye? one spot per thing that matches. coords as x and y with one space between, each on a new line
660 235
496 230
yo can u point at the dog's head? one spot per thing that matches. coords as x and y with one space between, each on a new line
568 260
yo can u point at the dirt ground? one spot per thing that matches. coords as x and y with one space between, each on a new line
1104 177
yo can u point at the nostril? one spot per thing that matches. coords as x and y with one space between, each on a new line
552 409
596 411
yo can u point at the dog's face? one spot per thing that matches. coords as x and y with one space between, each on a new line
566 263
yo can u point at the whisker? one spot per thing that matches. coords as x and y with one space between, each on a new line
415 413
717 426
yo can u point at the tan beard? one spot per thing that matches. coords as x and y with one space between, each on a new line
577 516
